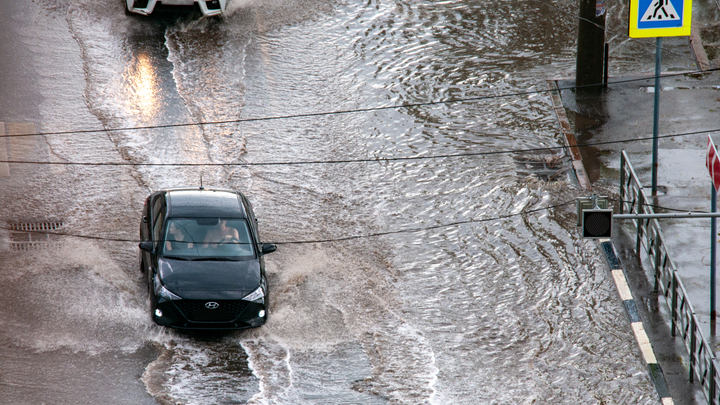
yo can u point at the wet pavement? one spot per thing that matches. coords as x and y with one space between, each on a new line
474 288
621 118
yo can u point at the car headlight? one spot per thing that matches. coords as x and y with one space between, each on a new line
162 292
256 295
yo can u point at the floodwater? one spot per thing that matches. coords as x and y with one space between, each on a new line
437 280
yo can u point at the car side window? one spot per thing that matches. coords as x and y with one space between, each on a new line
251 216
158 218
158 226
157 205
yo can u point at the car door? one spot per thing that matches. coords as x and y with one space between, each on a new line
253 222
145 233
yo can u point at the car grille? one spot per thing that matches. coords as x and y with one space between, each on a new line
195 310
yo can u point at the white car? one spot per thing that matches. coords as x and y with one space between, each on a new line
146 7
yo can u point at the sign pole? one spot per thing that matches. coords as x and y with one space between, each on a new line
658 19
712 161
656 114
713 254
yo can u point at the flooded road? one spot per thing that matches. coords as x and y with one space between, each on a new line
440 280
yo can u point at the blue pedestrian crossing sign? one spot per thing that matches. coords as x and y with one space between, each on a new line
660 18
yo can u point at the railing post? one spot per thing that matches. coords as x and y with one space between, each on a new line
622 182
658 254
641 226
638 238
693 360
638 242
711 387
673 310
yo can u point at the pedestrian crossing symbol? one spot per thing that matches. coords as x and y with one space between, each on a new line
661 14
660 18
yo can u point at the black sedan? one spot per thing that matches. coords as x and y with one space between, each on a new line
201 252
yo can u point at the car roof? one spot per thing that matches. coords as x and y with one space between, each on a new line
204 202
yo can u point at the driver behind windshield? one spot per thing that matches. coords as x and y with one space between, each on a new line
189 238
221 234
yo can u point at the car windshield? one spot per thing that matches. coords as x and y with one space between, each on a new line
208 238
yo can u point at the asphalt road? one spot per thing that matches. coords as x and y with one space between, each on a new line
506 307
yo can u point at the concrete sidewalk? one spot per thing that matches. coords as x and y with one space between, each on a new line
624 114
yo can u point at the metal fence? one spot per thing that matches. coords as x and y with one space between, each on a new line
703 367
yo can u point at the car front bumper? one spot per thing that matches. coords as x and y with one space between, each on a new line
208 8
192 314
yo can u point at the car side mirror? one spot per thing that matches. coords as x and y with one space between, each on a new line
268 248
146 246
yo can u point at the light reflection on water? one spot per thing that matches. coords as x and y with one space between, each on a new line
143 78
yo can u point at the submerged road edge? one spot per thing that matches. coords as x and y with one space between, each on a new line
655 371
568 136
648 354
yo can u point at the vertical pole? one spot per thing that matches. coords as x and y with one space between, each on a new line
693 346
591 43
674 310
713 254
640 224
623 194
711 384
607 63
658 242
656 114
656 287
658 261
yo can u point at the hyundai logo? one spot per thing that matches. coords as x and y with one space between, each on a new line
212 305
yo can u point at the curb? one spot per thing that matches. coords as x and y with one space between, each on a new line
654 368
698 49
569 136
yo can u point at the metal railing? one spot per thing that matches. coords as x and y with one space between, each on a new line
633 200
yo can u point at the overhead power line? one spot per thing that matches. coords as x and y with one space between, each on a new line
423 229
327 240
347 111
363 160
352 237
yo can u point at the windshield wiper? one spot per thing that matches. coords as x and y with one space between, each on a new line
216 259
178 257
